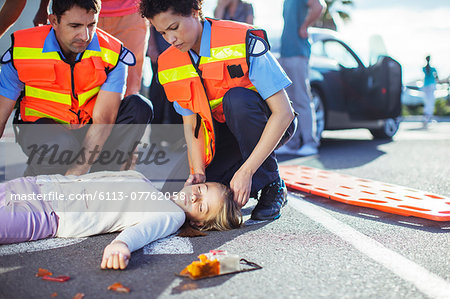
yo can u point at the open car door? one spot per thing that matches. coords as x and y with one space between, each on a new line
381 98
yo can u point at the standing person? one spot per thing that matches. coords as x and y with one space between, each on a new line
429 86
234 10
121 19
9 13
294 57
72 74
211 73
48 206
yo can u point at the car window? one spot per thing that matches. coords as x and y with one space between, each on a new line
334 50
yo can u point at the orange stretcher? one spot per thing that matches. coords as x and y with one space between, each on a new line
367 193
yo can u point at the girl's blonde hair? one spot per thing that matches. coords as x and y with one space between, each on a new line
229 216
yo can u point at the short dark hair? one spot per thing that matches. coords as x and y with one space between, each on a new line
59 7
150 8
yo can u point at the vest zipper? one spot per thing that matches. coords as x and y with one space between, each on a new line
72 77
75 97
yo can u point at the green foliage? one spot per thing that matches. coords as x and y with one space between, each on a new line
412 110
441 108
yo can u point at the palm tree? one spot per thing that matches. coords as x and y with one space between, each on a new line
327 20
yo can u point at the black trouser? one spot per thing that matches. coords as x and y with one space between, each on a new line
52 148
246 115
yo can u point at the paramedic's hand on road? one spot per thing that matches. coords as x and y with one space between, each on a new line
241 184
116 256
195 178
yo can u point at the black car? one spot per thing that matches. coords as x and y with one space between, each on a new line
349 95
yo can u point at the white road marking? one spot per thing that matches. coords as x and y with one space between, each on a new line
410 223
428 283
9 269
170 245
37 245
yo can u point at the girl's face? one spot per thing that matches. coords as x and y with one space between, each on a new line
201 202
184 32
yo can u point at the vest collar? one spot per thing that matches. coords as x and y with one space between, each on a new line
205 42
51 44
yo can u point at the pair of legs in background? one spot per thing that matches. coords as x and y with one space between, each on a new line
49 145
304 142
429 103
133 31
246 115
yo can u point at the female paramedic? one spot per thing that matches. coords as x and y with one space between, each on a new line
230 91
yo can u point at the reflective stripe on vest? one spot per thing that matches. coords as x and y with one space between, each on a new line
47 95
82 98
32 112
34 53
177 74
107 55
215 103
226 53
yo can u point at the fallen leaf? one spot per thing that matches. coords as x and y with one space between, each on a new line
43 272
54 294
118 287
78 296
62 278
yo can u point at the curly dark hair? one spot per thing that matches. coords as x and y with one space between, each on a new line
59 7
150 8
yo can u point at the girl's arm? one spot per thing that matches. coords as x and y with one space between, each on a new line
156 226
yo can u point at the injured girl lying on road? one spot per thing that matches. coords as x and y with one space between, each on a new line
48 206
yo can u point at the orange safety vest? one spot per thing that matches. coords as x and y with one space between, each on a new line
226 68
54 88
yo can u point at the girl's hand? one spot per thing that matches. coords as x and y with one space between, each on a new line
116 256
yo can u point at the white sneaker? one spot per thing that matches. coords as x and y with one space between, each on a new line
307 150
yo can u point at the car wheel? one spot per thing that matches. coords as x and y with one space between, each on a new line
320 112
390 127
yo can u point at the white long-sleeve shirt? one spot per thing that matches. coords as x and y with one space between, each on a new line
106 202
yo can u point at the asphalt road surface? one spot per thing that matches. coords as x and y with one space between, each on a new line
319 248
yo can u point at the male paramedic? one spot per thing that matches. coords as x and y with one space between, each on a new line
68 80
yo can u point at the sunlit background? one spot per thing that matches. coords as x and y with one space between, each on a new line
410 29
